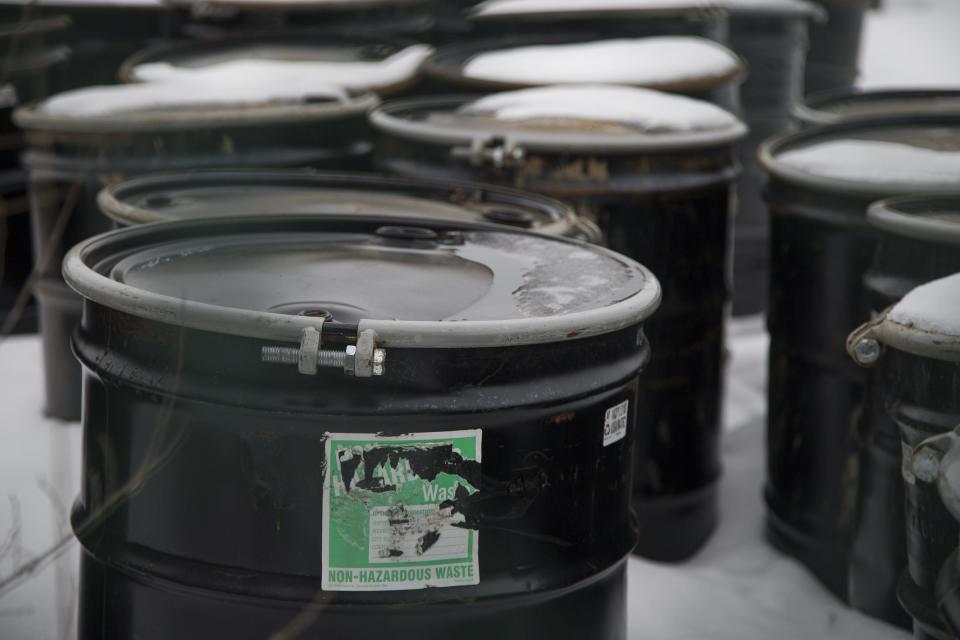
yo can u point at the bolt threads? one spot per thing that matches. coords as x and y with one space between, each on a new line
331 358
280 355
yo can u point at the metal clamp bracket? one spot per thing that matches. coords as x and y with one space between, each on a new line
362 360
500 152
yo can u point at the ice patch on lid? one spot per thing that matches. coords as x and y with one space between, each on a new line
559 278
353 75
876 161
514 7
645 109
631 61
933 307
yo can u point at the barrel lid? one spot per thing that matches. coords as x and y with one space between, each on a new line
584 117
492 10
183 105
299 5
414 284
876 158
681 64
70 4
848 104
925 322
357 64
499 10
933 218
772 8
201 194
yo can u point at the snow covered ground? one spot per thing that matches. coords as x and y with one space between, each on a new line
737 588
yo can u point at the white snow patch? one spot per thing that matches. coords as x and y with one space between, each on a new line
632 61
520 7
933 307
152 97
244 70
645 109
876 161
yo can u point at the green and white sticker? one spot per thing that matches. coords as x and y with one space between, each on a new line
390 512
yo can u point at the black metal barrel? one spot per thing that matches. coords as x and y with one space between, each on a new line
599 19
919 241
915 348
200 194
359 64
355 426
16 258
72 156
699 68
771 37
377 18
835 46
100 35
822 181
661 197
31 59
831 107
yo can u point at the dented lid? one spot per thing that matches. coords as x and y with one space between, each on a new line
204 194
415 284
933 218
879 157
583 117
680 64
850 104
350 63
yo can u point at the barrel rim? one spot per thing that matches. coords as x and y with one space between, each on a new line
909 339
894 215
704 9
799 9
166 50
770 148
388 117
300 6
34 26
436 66
100 289
29 117
112 200
810 110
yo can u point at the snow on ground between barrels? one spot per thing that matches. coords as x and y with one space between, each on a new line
933 307
632 61
645 109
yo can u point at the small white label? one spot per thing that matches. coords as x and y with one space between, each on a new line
615 423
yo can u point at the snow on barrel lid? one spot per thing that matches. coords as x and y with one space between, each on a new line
587 116
350 64
656 62
927 320
204 194
311 5
885 157
572 9
420 284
